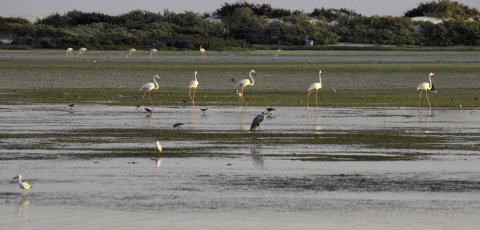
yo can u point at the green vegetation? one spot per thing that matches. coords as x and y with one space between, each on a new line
241 25
172 96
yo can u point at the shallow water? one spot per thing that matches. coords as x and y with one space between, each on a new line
249 191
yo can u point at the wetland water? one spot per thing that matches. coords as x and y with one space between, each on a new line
254 185
95 166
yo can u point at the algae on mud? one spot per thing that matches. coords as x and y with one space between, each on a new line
467 97
225 143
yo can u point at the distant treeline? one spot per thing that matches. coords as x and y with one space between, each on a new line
240 25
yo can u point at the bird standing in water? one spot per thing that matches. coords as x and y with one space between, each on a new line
426 86
22 184
257 121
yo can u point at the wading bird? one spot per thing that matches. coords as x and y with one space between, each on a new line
81 52
153 52
22 184
71 107
149 87
426 86
159 148
242 84
271 110
193 85
69 53
177 125
257 121
203 52
131 51
315 86
276 54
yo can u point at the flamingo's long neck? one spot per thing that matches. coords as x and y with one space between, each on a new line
320 77
19 179
253 81
196 76
155 83
430 80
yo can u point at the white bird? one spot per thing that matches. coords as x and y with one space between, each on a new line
22 184
193 85
276 54
242 84
315 86
69 52
153 52
426 86
149 87
203 52
159 147
131 51
81 52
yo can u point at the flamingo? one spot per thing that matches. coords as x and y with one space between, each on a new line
69 52
276 54
22 184
153 52
193 85
426 86
315 86
243 83
203 52
149 87
81 52
131 51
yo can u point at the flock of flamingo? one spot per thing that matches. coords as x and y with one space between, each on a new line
148 87
153 52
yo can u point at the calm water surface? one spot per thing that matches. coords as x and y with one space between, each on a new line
250 191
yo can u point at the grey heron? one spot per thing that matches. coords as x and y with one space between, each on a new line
257 121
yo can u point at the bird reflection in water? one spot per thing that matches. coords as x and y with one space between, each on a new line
313 120
24 206
159 149
158 162
257 157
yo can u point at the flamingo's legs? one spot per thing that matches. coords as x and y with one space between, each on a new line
193 100
426 94
308 97
151 103
419 98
